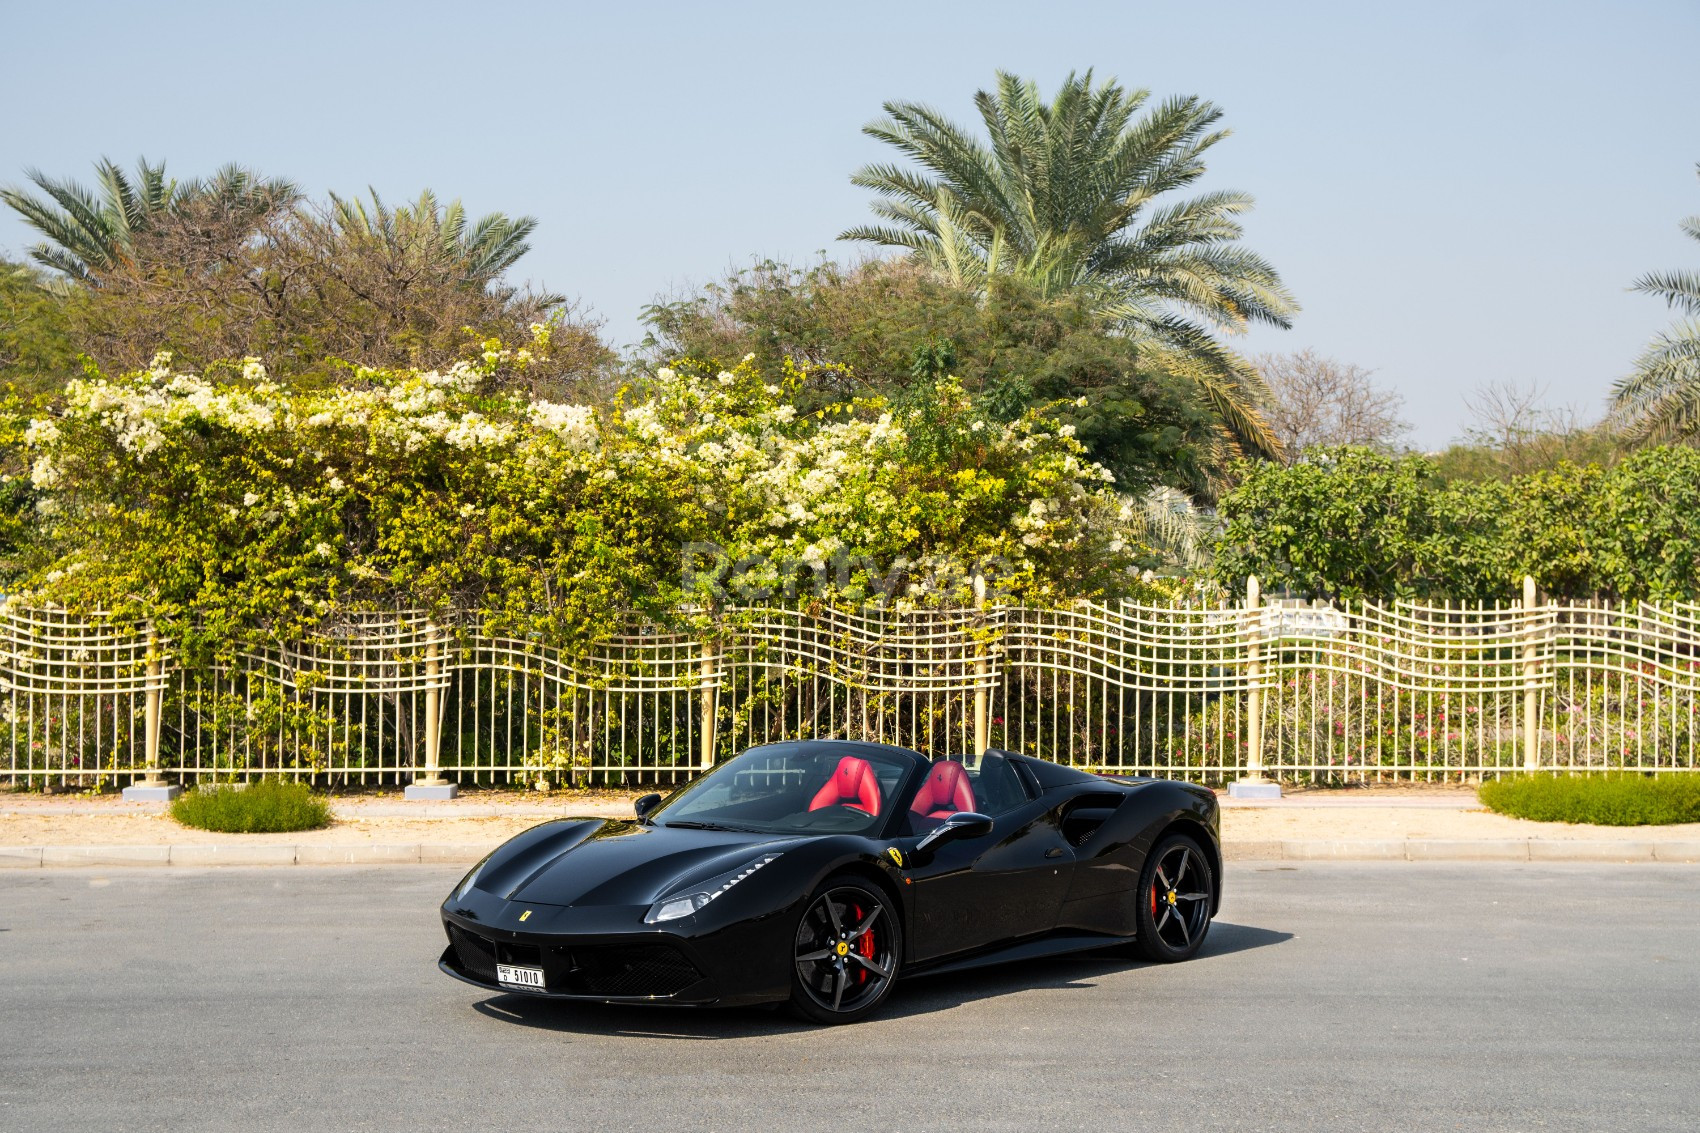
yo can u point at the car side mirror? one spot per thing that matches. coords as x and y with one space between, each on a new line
962 824
646 803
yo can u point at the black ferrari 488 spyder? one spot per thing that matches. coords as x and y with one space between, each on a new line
817 873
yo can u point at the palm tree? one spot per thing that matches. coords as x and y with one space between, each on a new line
480 252
90 232
1660 401
1066 194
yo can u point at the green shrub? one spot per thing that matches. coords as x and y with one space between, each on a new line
1614 799
268 807
1354 523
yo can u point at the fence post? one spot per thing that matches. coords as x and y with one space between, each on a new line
707 723
1253 785
431 785
152 785
1531 673
982 666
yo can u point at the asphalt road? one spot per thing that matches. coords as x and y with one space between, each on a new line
1393 996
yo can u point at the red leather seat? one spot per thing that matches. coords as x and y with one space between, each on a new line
945 792
852 784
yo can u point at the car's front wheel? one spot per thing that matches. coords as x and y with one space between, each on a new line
848 946
1174 901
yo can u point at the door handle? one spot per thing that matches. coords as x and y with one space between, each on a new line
1054 852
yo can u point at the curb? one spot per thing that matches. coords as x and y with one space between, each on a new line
1465 850
447 853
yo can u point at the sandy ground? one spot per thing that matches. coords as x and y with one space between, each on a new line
488 817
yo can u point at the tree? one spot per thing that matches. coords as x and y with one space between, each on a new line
888 329
1660 401
1065 194
312 287
1317 401
427 230
1513 432
94 232
400 286
1354 523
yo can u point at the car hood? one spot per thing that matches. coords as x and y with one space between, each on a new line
616 862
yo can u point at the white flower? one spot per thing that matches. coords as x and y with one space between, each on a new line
250 499
324 550
1080 401
1066 431
42 431
252 370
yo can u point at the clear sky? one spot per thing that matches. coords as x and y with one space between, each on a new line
1457 193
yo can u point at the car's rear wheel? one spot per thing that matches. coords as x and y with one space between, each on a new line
847 949
1174 901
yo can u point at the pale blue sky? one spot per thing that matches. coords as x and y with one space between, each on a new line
1458 193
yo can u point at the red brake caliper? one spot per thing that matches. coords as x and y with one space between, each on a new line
1153 901
864 945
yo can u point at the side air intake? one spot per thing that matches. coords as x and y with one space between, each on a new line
1087 815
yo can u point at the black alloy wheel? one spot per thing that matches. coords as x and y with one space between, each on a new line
847 951
1174 901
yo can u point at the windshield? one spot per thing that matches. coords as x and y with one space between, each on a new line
793 789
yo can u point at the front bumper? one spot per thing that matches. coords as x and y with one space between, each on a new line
605 971
608 955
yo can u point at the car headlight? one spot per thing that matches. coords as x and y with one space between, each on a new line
677 905
469 880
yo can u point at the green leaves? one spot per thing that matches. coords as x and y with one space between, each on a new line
1353 523
236 512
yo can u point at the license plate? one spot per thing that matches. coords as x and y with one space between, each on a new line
519 977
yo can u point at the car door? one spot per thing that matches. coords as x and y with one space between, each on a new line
1001 886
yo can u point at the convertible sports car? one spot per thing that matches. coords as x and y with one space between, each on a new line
816 873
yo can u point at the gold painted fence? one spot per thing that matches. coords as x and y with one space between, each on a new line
1352 692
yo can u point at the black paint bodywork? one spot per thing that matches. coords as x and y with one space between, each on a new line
1058 873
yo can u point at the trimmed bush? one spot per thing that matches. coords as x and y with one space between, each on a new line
1612 799
270 806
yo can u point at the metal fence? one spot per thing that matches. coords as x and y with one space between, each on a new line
1325 692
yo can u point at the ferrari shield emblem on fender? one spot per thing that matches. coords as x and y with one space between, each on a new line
525 915
895 855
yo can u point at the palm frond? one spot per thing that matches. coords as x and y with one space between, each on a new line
1680 289
1064 194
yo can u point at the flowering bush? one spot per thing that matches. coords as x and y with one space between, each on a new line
225 505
